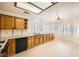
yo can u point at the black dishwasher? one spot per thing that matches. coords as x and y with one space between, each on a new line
21 44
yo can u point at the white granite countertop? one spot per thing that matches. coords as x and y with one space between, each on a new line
12 37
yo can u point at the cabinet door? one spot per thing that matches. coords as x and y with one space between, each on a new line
0 54
36 40
33 41
51 36
29 43
19 23
2 22
41 39
48 37
45 38
11 47
7 22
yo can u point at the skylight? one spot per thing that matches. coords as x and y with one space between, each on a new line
35 7
42 5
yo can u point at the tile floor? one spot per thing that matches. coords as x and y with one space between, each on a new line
54 48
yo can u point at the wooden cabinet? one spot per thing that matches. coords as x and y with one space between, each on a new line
51 37
45 38
7 22
30 42
33 41
11 22
0 54
11 47
19 23
37 40
2 22
41 39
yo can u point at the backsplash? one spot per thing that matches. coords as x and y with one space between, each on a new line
7 33
16 33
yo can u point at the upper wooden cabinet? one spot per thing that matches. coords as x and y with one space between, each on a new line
19 23
11 22
7 22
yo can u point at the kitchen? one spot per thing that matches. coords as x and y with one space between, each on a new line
27 25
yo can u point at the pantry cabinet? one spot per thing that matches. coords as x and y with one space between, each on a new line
11 47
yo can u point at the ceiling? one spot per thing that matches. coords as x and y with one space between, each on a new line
35 7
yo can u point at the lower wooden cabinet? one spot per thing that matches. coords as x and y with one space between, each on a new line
0 53
11 47
41 40
45 38
30 42
36 40
51 37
